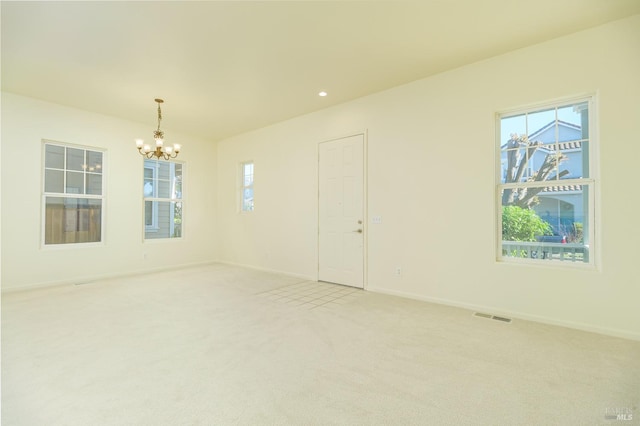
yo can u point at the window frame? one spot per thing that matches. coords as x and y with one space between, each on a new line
243 187
44 194
592 182
155 199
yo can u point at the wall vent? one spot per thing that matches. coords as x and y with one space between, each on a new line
493 317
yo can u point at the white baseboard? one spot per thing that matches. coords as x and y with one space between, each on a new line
93 278
625 334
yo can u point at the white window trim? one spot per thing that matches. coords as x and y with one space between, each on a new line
594 204
44 195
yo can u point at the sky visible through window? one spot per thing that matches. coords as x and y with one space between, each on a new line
533 121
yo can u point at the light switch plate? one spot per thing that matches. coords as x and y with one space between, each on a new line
376 219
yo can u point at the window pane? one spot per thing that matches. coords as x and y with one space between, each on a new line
545 162
149 182
574 162
54 181
148 188
54 157
148 213
164 189
72 220
516 125
513 159
169 219
573 140
75 159
553 227
94 184
75 183
94 162
177 182
247 199
541 125
572 114
177 188
163 172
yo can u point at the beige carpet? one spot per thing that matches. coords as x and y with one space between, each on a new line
221 345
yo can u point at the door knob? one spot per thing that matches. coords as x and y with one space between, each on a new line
359 231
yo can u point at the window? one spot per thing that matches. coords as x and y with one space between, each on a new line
546 184
72 194
163 202
246 190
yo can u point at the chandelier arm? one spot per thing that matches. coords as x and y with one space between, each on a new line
144 154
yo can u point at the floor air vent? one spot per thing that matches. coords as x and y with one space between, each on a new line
494 317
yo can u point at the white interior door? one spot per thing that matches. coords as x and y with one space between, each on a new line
341 215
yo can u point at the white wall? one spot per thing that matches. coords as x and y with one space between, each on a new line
25 123
431 178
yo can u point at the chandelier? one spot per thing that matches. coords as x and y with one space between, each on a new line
160 151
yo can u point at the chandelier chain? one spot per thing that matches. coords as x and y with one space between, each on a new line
159 116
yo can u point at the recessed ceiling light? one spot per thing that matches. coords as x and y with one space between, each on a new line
322 94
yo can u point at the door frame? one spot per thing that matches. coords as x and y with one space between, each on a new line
365 202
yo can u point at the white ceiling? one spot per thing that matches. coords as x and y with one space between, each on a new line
226 67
